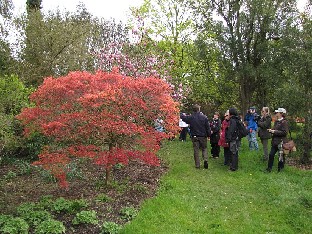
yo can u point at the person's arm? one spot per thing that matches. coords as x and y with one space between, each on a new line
207 127
186 118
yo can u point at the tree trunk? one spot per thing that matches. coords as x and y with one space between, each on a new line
108 167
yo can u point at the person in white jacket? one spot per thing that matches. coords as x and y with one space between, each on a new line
184 129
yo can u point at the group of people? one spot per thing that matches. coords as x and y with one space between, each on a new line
225 134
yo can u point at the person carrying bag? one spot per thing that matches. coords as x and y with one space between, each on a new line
279 136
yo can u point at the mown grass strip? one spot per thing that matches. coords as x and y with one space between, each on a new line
219 201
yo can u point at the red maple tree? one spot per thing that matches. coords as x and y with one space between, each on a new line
107 117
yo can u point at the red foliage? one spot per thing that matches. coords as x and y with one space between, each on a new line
104 116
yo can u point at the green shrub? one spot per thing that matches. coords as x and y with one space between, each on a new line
46 175
32 145
140 188
26 207
69 206
14 226
119 166
4 218
46 202
86 216
36 217
77 205
110 228
128 213
50 226
10 175
13 97
73 171
103 198
24 167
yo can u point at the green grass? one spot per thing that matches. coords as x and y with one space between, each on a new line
220 201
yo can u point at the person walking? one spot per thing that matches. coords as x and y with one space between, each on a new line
200 130
251 118
231 137
264 124
222 142
279 136
215 126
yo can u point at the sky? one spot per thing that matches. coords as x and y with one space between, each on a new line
118 9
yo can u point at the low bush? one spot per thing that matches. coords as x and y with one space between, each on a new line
128 213
12 225
50 226
68 206
86 217
110 228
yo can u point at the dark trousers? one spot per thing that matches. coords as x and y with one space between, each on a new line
265 148
215 149
183 134
227 156
281 157
199 144
234 146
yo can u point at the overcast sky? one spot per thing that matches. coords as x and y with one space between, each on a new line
117 9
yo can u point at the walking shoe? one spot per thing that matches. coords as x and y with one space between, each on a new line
205 164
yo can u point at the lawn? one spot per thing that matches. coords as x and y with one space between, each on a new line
220 201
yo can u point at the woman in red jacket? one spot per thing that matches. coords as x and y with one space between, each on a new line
226 147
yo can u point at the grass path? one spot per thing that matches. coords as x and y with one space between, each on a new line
220 201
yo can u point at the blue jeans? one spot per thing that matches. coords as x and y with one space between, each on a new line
252 139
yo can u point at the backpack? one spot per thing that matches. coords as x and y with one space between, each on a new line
242 131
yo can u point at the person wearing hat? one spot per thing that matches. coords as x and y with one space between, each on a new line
279 135
251 118
200 130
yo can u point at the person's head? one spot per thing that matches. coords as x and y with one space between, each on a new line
233 112
227 115
196 108
216 115
252 109
265 110
280 112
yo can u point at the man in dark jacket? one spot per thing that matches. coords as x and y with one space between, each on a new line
200 130
231 137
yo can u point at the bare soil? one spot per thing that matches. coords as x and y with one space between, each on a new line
130 186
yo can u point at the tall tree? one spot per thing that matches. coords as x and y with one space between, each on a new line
298 72
62 42
167 22
245 29
6 7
